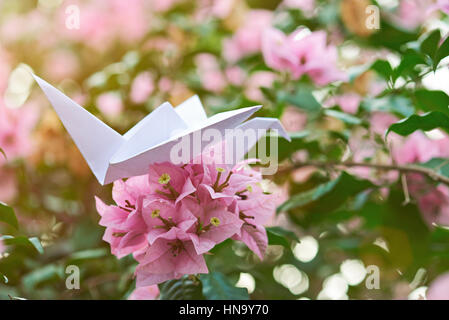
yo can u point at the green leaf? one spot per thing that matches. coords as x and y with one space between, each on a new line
303 99
442 52
328 196
428 100
89 254
425 122
345 117
383 68
217 287
408 63
46 273
185 288
280 236
23 241
430 45
8 215
439 165
392 103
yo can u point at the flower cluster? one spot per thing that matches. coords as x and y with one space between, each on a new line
169 218
302 54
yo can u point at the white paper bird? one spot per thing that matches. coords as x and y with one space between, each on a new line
112 156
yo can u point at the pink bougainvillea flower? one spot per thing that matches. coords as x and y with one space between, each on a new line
301 55
247 39
170 181
8 185
169 218
164 218
142 87
169 258
16 126
438 288
442 5
110 104
348 102
434 206
145 293
214 224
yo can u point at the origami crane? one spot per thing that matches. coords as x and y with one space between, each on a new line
112 156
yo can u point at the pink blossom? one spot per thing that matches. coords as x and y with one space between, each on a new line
247 39
16 126
170 257
110 104
348 102
61 64
235 75
142 87
256 81
438 289
434 205
442 5
169 218
145 293
293 119
412 13
210 74
8 185
302 55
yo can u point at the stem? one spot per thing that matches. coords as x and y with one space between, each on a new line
386 167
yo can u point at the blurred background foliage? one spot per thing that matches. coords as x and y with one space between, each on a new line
128 57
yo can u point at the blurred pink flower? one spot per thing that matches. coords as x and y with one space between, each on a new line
418 148
442 5
142 87
211 77
235 75
110 104
302 55
434 206
247 39
61 64
348 102
256 81
293 119
412 13
165 84
381 121
8 187
145 293
438 289
16 126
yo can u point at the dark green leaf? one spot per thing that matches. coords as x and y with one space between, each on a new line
442 52
430 45
51 271
24 241
425 122
217 287
328 196
8 215
383 68
280 236
185 288
303 99
432 100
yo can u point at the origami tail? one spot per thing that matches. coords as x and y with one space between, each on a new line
96 140
258 124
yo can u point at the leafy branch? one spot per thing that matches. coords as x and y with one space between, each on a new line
432 174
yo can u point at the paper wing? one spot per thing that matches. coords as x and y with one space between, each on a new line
96 141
